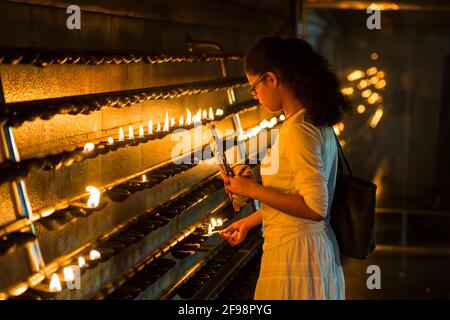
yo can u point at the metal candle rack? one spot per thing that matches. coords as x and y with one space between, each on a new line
13 236
19 199
13 170
43 57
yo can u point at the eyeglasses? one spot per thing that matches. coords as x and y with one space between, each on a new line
252 89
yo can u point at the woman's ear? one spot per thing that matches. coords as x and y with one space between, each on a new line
272 79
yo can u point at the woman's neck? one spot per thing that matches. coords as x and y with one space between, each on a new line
291 105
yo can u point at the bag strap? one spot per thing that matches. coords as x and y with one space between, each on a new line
341 157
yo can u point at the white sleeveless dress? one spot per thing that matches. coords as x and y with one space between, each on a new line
300 256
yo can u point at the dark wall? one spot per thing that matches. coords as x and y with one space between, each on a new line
402 153
157 26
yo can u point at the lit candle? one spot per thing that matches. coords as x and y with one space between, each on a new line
188 117
366 93
88 147
166 122
219 222
81 262
144 178
141 131
130 132
204 114
158 127
363 84
336 130
355 75
282 117
181 121
347 91
376 118
55 283
110 140
68 274
172 122
94 197
371 71
273 121
361 108
374 98
213 222
150 127
94 254
381 84
211 114
121 135
219 112
209 229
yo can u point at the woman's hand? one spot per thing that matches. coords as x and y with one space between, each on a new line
236 232
243 186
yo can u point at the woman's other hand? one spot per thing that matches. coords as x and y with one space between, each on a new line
236 232
243 186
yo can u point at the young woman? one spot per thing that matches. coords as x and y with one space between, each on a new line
300 254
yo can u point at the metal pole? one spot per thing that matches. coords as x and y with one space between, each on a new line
17 189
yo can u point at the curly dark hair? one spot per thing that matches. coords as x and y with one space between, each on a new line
306 72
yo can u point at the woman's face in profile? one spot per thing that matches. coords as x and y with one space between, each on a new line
263 90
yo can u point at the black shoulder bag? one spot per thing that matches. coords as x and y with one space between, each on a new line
353 211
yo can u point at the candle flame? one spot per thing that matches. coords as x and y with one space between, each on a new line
211 114
144 178
355 75
88 147
94 254
213 222
141 131
69 275
150 127
188 117
172 122
219 222
209 229
273 122
361 108
347 91
336 130
110 140
204 114
181 121
55 283
219 112
130 132
371 71
81 262
282 117
94 197
198 116
166 122
158 127
381 84
121 135
362 84
366 93
374 98
376 118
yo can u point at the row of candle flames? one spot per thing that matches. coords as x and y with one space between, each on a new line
190 119
69 273
94 196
